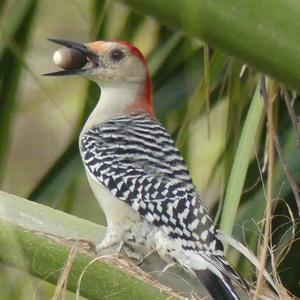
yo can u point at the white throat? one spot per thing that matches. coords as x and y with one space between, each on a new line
112 103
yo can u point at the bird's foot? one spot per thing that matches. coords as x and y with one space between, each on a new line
111 244
138 257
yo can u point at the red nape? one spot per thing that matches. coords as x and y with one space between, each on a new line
144 102
148 93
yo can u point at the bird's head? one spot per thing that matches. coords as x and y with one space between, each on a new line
117 63
109 64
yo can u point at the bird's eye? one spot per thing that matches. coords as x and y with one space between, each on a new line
116 55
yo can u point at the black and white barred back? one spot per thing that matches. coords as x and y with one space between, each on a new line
137 160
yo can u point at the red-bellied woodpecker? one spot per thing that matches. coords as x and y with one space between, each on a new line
138 175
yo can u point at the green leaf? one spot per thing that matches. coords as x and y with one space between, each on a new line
16 21
13 41
241 162
264 34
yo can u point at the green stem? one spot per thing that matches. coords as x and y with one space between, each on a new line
39 240
45 258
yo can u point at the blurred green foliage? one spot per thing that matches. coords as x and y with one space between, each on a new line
40 119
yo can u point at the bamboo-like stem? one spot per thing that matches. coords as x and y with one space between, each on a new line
46 259
58 248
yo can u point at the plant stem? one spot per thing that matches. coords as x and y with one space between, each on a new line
269 195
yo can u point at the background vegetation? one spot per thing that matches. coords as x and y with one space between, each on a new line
237 144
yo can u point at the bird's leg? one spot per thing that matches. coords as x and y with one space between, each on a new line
115 243
139 241
112 240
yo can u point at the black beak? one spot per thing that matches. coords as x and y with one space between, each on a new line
82 48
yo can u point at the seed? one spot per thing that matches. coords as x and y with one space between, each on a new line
69 58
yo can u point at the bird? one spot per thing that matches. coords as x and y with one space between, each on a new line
137 173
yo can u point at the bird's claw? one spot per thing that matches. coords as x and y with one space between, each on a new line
111 243
134 255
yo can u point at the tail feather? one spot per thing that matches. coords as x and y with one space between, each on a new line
219 288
